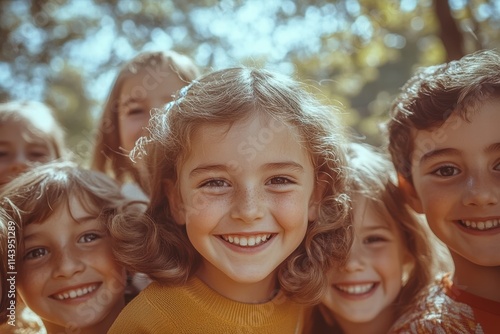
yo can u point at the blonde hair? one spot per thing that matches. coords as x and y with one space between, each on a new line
39 118
156 245
107 156
373 177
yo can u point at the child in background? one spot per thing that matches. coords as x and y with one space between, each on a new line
444 139
29 134
147 81
391 258
247 211
67 273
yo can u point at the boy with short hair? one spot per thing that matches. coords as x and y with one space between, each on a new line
444 139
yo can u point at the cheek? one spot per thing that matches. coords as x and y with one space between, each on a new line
130 131
30 282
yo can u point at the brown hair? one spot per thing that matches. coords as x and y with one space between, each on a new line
36 194
156 245
107 156
373 177
435 93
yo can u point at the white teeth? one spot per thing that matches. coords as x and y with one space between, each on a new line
247 241
483 225
355 289
76 293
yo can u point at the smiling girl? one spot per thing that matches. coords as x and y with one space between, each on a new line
67 272
246 176
392 258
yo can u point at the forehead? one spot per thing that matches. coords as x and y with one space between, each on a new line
471 134
256 136
370 214
24 131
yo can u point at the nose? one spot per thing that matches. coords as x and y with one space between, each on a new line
247 205
20 163
355 260
480 190
67 264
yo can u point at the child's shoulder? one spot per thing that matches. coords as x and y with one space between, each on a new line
439 310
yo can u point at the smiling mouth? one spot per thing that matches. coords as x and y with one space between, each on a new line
480 225
355 289
247 241
76 293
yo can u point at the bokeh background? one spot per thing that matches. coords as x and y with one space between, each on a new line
355 54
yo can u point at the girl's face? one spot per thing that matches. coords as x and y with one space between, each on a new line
20 148
365 289
68 274
149 88
246 195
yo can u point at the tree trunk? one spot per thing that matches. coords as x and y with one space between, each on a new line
450 34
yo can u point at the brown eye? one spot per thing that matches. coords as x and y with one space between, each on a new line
446 171
36 253
88 237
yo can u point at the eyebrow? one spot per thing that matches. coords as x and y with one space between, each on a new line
495 147
269 166
128 101
377 227
78 220
437 153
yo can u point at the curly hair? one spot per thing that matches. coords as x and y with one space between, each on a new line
156 245
435 93
107 156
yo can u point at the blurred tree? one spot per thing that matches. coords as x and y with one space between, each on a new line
356 53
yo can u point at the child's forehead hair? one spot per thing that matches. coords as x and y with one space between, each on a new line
69 202
170 61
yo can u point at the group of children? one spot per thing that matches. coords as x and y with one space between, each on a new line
245 202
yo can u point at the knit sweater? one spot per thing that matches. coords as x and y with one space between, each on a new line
196 308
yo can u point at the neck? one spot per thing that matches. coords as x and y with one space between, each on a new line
250 293
481 281
379 325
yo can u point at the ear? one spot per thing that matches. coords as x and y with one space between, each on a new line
410 194
174 201
317 196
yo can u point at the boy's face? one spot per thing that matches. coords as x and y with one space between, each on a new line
150 88
456 177
20 148
68 275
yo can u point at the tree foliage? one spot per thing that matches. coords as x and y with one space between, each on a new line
355 53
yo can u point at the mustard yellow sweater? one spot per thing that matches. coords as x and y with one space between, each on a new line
195 308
